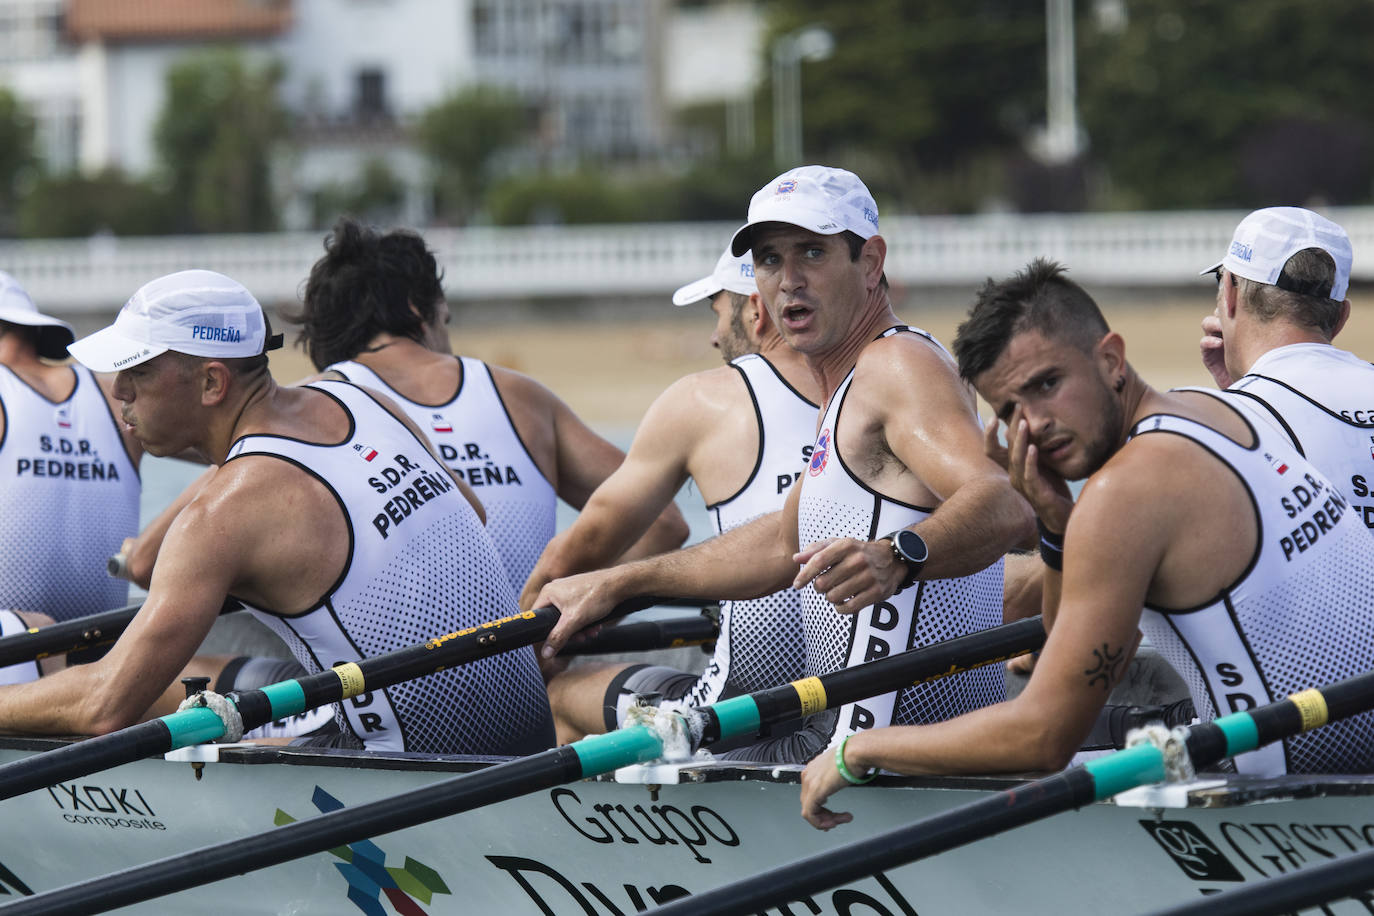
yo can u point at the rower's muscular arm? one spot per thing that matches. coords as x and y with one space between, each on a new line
1084 657
745 562
625 506
583 460
913 401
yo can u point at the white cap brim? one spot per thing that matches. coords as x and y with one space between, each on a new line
111 351
697 290
1212 269
808 219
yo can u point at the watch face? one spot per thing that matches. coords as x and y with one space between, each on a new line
911 545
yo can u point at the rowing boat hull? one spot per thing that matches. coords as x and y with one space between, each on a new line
606 848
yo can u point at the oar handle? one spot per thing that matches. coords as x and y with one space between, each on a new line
648 635
72 635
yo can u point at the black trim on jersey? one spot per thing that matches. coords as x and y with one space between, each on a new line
352 423
323 600
1225 592
1319 406
401 420
758 454
4 424
1278 417
835 447
803 398
510 420
388 386
1197 664
25 382
1259 670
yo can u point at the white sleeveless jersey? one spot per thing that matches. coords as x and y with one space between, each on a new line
420 564
474 434
836 503
1323 399
1301 615
68 496
760 643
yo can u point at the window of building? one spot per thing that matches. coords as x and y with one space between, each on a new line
369 98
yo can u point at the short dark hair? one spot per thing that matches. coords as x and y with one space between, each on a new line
366 283
1302 292
856 246
1038 298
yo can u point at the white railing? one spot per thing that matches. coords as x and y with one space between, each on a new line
1126 249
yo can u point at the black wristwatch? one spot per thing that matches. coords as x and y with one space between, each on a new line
909 548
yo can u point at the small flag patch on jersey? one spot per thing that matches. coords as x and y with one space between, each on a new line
1277 464
63 417
365 452
439 424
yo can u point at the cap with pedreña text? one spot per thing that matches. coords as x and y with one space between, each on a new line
197 312
1266 239
731 273
17 308
822 199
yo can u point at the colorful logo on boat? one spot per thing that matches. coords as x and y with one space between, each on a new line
820 454
369 877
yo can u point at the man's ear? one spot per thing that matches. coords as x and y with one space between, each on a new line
1340 322
756 317
873 256
214 380
1111 355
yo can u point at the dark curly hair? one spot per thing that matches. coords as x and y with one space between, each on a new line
367 283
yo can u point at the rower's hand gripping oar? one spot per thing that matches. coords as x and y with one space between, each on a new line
72 635
739 716
287 698
1143 764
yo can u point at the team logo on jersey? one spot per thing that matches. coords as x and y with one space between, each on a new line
439 424
820 454
1278 464
62 416
365 452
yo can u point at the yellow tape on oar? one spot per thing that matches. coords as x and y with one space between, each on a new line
811 692
1312 707
351 677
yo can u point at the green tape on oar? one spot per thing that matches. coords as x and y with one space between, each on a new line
622 747
1135 766
286 698
1242 734
194 726
737 716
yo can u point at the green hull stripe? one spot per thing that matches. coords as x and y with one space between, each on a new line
737 716
1135 766
193 726
1241 732
622 747
287 699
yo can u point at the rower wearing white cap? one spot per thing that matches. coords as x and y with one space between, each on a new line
1281 300
328 515
69 485
742 433
900 520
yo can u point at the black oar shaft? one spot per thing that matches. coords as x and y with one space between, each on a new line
1345 877
589 757
258 707
671 633
1098 779
67 636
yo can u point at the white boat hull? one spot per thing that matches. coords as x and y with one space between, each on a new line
605 848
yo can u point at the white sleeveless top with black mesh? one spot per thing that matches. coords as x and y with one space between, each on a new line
1323 399
836 503
420 564
476 438
760 643
69 497
1301 615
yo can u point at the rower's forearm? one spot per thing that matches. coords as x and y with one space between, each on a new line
974 528
745 562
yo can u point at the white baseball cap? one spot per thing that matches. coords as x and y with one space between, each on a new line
732 273
17 308
198 312
816 197
1266 239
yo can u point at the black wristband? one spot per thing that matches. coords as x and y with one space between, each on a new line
1051 547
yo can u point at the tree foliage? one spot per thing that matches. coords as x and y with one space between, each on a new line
462 135
1211 103
217 134
17 158
74 205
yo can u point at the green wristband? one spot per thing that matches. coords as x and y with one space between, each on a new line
844 770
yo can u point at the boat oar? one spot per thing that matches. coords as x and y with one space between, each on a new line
73 635
1207 743
647 635
1309 887
284 699
736 717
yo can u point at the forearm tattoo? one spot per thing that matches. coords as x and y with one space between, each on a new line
1108 667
